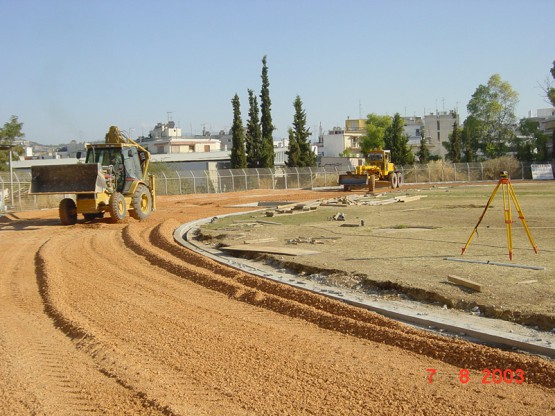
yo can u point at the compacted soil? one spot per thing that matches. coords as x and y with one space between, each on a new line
102 318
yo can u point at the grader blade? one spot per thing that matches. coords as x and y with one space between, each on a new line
67 179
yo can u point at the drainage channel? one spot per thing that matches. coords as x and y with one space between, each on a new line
447 322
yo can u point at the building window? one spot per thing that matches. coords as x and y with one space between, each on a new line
438 138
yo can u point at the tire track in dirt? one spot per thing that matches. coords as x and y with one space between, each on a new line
104 324
328 313
40 372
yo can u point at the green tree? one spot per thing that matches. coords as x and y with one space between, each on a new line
454 145
375 131
469 137
423 151
531 144
398 142
238 156
548 88
267 150
11 132
253 136
293 151
492 107
299 139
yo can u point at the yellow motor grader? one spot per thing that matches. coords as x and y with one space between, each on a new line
377 167
113 179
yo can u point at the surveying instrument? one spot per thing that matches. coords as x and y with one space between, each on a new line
508 195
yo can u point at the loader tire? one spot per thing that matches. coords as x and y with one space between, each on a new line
68 211
346 188
141 203
393 180
117 207
400 179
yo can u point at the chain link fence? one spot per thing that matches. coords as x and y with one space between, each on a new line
14 196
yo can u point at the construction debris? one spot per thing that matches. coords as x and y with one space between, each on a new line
464 282
340 216
340 202
305 240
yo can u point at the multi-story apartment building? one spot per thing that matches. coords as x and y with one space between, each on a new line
437 128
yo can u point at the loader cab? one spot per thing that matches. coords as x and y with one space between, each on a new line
378 158
113 163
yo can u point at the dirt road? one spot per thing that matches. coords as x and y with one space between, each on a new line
118 319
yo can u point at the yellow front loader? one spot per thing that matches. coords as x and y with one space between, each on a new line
113 179
377 167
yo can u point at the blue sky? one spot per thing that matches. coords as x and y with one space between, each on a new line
70 69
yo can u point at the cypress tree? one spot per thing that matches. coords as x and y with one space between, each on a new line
253 135
302 134
423 152
267 150
238 156
293 151
398 142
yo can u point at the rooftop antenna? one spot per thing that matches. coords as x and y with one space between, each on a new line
359 109
169 113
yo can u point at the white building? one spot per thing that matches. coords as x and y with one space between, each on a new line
437 128
166 138
340 141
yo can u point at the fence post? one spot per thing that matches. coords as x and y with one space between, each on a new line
482 170
455 170
207 181
179 179
165 183
194 182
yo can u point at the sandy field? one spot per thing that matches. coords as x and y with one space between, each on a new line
117 319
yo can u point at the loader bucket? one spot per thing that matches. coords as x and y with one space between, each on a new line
67 179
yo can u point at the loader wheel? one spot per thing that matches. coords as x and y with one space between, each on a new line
141 202
400 179
117 207
393 180
68 211
346 188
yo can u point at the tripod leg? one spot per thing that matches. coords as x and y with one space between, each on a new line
508 220
522 219
481 218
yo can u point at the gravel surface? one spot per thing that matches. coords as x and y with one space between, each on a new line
118 319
